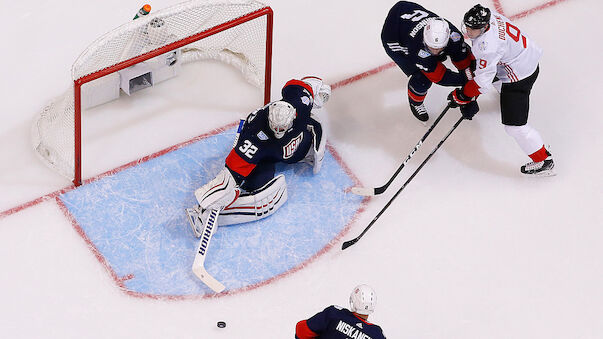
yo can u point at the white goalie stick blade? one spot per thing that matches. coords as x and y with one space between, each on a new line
207 279
199 263
364 191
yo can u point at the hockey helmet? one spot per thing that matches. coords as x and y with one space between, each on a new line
477 17
280 117
436 33
363 300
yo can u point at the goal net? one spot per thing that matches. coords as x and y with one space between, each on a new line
146 51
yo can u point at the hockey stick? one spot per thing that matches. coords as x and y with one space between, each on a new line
349 243
366 191
199 263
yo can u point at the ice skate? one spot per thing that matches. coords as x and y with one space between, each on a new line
541 168
194 219
420 112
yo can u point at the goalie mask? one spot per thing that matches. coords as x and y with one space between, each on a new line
436 34
280 117
363 300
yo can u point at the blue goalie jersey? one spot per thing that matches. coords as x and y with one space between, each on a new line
257 148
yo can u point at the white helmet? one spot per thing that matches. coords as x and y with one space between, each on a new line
436 33
280 117
363 300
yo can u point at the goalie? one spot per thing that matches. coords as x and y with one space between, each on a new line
287 130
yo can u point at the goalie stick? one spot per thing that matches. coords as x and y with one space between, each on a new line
366 191
351 242
199 263
208 231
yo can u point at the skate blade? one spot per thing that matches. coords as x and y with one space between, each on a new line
549 173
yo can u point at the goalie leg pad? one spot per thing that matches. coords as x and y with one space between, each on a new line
219 192
256 205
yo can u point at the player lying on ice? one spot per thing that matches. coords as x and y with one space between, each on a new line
287 130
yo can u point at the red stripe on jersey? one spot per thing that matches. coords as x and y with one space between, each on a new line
238 164
437 75
415 97
302 331
471 89
539 155
460 65
511 73
300 83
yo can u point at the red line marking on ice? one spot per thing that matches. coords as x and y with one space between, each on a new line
97 254
535 9
499 8
55 194
363 75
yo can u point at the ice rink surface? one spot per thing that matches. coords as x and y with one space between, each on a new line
470 249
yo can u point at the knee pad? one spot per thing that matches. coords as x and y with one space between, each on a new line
219 192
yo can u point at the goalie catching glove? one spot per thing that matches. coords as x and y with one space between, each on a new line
321 91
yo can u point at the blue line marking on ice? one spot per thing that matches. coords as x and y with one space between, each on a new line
136 219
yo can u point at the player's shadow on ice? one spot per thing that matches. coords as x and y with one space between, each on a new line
374 113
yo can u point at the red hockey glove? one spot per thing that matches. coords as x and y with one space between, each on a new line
457 98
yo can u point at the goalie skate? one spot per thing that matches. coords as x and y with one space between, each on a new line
194 219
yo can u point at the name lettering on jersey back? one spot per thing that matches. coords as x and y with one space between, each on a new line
351 331
419 26
501 28
290 148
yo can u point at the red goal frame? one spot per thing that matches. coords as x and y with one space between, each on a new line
78 83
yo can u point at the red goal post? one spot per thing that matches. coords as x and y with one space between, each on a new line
148 50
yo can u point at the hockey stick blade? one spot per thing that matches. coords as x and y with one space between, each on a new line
207 279
348 243
364 191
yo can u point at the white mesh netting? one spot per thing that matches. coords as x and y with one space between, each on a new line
243 46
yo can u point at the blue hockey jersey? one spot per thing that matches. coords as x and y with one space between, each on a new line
402 38
335 322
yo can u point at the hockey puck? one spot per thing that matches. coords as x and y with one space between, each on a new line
221 324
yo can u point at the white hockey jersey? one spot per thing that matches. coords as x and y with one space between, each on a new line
503 51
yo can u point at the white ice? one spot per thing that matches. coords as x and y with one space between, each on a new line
470 249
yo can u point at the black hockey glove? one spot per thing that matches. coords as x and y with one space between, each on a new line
469 110
458 98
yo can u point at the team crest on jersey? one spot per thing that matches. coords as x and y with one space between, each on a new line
262 136
290 148
455 36
306 100
424 54
483 45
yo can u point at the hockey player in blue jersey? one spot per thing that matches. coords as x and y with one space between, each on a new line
335 322
289 131
419 41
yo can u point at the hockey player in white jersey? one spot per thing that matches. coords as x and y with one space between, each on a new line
507 60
